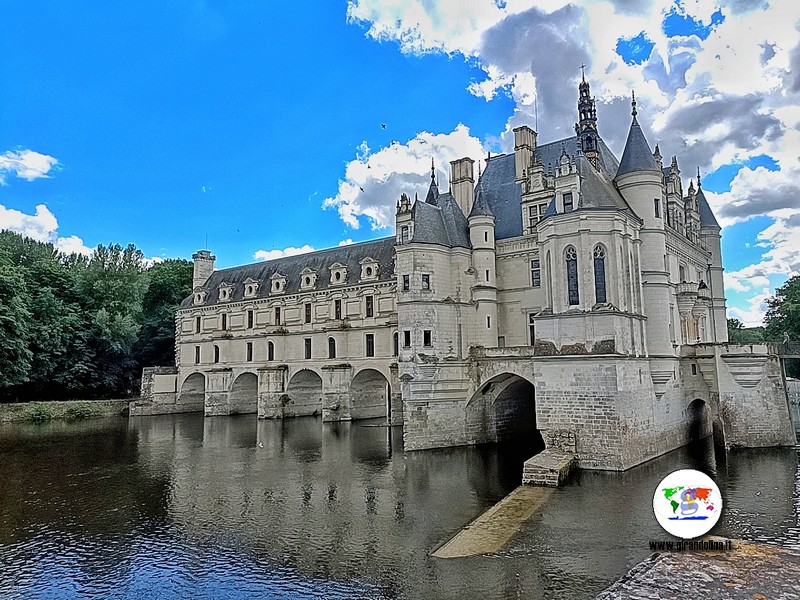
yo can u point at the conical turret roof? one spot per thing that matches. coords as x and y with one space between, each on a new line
637 155
480 208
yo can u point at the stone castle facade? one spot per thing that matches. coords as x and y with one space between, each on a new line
565 295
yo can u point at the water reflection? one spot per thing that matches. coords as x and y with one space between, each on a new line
232 507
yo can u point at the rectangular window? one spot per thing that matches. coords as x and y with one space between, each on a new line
370 339
406 339
308 312
249 351
331 348
657 207
536 273
694 369
485 236
501 341
404 234
197 325
370 305
488 322
533 218
277 315
426 338
426 281
249 319
395 344
487 275
568 202
337 309
224 322
531 329
197 355
307 348
406 283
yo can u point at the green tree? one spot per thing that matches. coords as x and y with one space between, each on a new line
783 317
170 282
738 333
15 356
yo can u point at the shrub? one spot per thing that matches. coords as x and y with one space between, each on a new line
81 411
38 413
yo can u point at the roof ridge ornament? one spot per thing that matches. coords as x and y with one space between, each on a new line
633 104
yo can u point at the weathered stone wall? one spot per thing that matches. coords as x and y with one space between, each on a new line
161 394
64 409
793 389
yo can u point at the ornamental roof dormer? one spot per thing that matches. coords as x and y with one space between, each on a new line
369 269
250 287
225 290
338 274
277 283
308 279
200 296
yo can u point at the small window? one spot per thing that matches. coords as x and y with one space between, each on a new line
406 283
249 319
270 351
568 202
370 344
531 329
197 355
307 348
337 309
404 234
368 270
224 322
488 322
487 275
536 273
485 236
426 338
249 351
331 348
426 281
694 369
308 312
395 344
657 207
337 276
277 315
197 325
406 339
216 354
370 305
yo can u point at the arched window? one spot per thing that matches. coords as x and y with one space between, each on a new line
331 348
216 353
572 275
599 274
270 351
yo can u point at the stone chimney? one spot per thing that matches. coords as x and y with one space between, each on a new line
462 183
524 145
203 267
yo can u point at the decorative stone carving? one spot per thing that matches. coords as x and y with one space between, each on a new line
747 370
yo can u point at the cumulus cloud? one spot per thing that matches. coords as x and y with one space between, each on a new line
25 164
373 182
346 242
290 251
41 226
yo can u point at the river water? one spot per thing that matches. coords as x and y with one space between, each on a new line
182 506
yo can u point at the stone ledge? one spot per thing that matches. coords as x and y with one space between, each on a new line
549 468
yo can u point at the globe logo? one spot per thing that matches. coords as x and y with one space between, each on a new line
687 503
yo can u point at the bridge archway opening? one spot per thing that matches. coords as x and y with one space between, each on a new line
369 395
244 393
303 394
699 421
193 389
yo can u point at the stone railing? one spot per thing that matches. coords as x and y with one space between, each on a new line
497 352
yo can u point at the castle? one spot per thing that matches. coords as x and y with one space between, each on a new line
566 295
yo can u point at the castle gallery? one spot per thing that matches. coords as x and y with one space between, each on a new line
566 295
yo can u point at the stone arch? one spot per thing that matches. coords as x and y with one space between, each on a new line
698 420
303 394
503 408
244 393
369 395
193 390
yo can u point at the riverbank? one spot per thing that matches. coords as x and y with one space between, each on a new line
68 410
748 570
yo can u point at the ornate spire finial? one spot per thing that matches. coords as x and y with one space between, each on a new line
433 170
698 178
633 103
583 72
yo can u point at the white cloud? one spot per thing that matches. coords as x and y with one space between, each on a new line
41 226
373 183
346 242
753 314
273 254
25 164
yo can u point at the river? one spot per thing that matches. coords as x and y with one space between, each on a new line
182 506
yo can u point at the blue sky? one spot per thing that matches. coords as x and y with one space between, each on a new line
261 131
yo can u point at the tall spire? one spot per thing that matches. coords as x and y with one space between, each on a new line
433 190
637 155
586 127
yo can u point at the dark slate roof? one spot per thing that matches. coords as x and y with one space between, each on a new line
382 250
637 155
433 192
503 195
707 218
480 208
597 190
442 223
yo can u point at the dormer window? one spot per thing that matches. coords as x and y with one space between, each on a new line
200 296
277 284
369 269
250 288
308 279
568 206
338 274
226 292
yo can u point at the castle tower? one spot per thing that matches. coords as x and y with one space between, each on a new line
484 292
709 234
586 127
203 267
639 180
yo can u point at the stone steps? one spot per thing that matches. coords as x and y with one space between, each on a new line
549 468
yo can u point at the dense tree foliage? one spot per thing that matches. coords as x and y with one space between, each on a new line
76 326
783 318
740 334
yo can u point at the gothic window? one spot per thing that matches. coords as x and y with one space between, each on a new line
572 276
331 348
536 273
270 351
568 202
370 343
599 274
